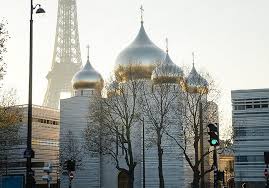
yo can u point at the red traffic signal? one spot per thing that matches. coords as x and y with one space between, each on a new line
71 175
265 172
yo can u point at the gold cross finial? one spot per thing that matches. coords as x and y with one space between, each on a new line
88 54
193 59
166 43
141 11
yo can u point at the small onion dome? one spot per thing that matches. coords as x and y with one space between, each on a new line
138 60
87 78
195 83
112 88
167 72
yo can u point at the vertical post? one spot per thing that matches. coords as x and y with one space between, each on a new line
6 163
267 182
144 168
6 156
28 153
57 173
226 177
267 178
215 159
48 181
201 145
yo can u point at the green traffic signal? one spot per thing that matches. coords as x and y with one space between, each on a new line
214 142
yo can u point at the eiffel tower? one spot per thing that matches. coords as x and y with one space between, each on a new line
66 55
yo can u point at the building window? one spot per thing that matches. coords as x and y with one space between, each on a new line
240 132
239 107
241 159
257 106
264 105
248 106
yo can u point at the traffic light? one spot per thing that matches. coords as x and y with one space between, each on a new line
214 134
266 157
70 165
220 176
265 172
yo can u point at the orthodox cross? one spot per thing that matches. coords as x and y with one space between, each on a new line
88 54
193 59
166 44
141 11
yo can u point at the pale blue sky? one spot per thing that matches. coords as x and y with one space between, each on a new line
230 39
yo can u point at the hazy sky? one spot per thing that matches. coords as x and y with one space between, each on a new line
230 39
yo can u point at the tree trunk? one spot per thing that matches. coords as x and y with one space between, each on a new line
131 179
196 171
160 160
195 181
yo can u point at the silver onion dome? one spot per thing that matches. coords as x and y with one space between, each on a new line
142 56
194 79
167 72
87 78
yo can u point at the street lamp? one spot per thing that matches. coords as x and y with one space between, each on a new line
29 153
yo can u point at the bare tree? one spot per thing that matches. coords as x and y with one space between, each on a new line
194 98
112 125
10 117
71 149
3 40
158 106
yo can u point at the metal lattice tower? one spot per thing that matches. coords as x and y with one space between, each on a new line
66 56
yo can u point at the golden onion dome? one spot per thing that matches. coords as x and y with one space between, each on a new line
167 72
138 59
87 78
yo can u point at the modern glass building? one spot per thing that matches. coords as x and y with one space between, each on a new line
251 130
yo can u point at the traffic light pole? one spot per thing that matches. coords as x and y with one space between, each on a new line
215 163
267 182
202 145
70 183
266 176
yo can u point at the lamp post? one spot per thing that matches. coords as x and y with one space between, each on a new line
29 153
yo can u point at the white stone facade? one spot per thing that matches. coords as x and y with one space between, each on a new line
100 171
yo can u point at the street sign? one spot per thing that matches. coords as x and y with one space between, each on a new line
11 181
48 169
47 178
29 153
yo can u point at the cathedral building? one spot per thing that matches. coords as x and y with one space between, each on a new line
143 61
